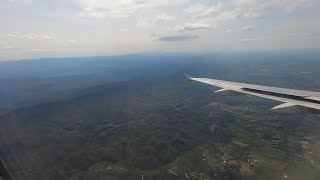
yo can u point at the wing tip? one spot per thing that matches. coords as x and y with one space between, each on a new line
188 76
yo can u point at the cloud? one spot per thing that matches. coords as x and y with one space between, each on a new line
124 30
164 18
292 35
203 11
247 28
223 13
32 36
240 13
8 47
299 35
72 41
42 50
248 39
12 35
237 13
292 5
47 37
120 8
21 1
228 30
255 39
192 27
178 38
160 19
244 2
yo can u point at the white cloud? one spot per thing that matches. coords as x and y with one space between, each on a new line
72 41
42 50
255 39
120 8
98 14
12 35
32 36
164 18
296 35
225 12
244 2
203 11
160 19
124 30
48 36
292 5
292 35
248 39
21 1
8 47
228 30
239 14
247 28
192 27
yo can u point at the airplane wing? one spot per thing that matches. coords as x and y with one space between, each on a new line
293 101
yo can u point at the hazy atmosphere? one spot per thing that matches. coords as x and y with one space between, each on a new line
51 28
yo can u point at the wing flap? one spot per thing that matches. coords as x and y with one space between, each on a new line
313 98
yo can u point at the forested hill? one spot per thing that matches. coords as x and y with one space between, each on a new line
143 118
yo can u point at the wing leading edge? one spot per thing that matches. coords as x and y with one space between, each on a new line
294 101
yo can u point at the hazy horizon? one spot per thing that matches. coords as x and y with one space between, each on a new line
281 51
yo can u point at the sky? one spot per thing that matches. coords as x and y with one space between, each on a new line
68 28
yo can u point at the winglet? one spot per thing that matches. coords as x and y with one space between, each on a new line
190 78
285 105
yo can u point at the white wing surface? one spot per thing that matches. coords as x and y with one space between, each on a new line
294 101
